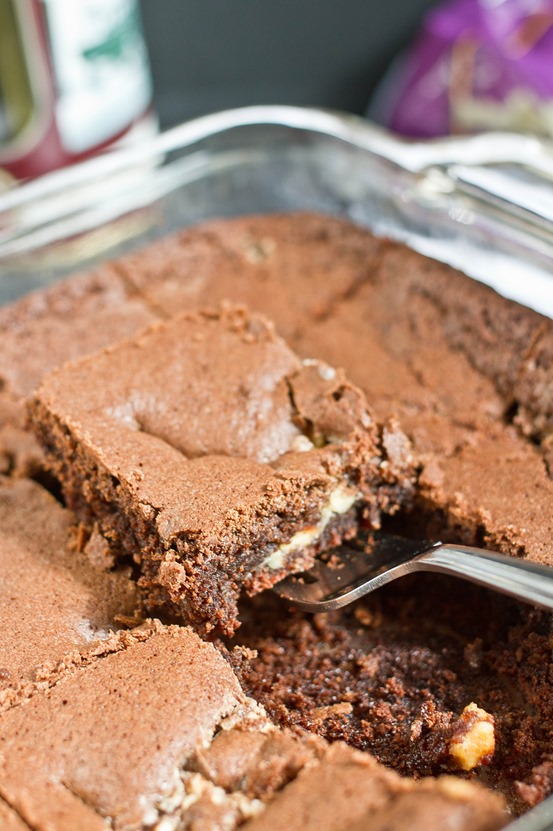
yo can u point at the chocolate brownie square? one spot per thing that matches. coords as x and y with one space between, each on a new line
48 327
105 746
54 606
367 796
206 449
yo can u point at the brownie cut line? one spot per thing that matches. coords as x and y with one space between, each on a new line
216 456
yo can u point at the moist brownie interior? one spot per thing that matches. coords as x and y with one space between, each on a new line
466 373
393 673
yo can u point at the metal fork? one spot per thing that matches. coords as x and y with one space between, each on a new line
367 563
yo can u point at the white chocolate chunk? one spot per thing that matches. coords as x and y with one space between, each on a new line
340 501
275 561
327 373
301 540
302 444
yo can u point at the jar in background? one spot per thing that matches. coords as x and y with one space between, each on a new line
74 78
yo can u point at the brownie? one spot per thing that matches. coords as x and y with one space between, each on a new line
434 804
504 341
216 457
294 269
365 795
160 736
47 328
464 369
467 374
68 319
472 454
107 742
55 608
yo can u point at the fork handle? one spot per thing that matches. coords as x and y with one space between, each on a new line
530 582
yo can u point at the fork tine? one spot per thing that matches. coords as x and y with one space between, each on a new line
350 571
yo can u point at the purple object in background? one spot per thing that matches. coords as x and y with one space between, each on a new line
476 65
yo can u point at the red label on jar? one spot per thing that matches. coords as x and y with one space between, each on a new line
75 78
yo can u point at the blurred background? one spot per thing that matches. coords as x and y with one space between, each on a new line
422 67
79 75
213 54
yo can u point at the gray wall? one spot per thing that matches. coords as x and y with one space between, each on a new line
213 54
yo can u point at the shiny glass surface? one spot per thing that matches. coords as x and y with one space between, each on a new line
483 204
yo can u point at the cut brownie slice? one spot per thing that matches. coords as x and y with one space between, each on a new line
105 746
221 461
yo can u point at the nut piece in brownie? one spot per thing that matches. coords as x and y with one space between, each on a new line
216 457
398 674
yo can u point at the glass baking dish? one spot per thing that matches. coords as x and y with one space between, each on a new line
483 204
